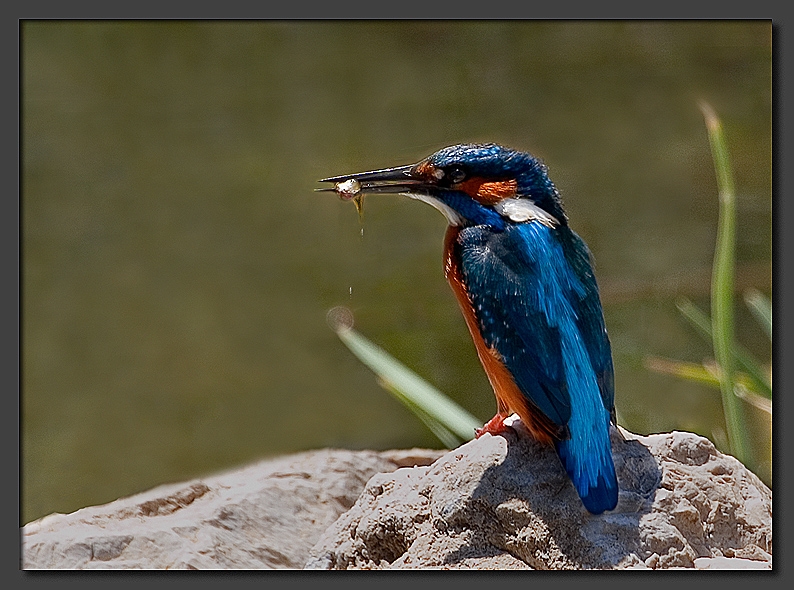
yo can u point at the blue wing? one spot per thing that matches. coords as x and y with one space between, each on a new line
590 317
520 281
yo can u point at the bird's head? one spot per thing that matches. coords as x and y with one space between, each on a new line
471 184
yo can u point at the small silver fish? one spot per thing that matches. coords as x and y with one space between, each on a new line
351 189
348 189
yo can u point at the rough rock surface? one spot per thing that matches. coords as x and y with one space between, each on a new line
506 503
494 503
266 515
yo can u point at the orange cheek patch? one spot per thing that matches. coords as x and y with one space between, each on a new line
488 193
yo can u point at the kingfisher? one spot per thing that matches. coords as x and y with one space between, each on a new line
525 284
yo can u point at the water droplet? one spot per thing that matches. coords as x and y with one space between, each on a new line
359 202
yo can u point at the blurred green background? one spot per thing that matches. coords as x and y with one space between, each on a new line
177 267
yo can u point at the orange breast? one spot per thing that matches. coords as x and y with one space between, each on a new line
509 398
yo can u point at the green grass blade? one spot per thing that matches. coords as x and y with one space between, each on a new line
685 370
409 388
759 402
761 308
707 374
442 433
700 320
722 288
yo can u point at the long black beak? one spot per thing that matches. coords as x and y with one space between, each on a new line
387 180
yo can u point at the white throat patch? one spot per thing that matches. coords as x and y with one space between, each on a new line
520 210
453 217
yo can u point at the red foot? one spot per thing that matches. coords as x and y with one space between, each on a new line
495 425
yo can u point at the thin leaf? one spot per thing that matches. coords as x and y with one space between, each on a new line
701 321
761 308
411 389
696 317
442 433
755 400
706 373
685 370
722 287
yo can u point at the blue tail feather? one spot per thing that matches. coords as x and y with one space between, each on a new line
593 477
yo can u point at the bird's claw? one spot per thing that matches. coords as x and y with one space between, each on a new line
494 426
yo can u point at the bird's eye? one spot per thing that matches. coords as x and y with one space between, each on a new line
456 175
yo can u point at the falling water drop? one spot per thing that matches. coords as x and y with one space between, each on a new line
358 200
